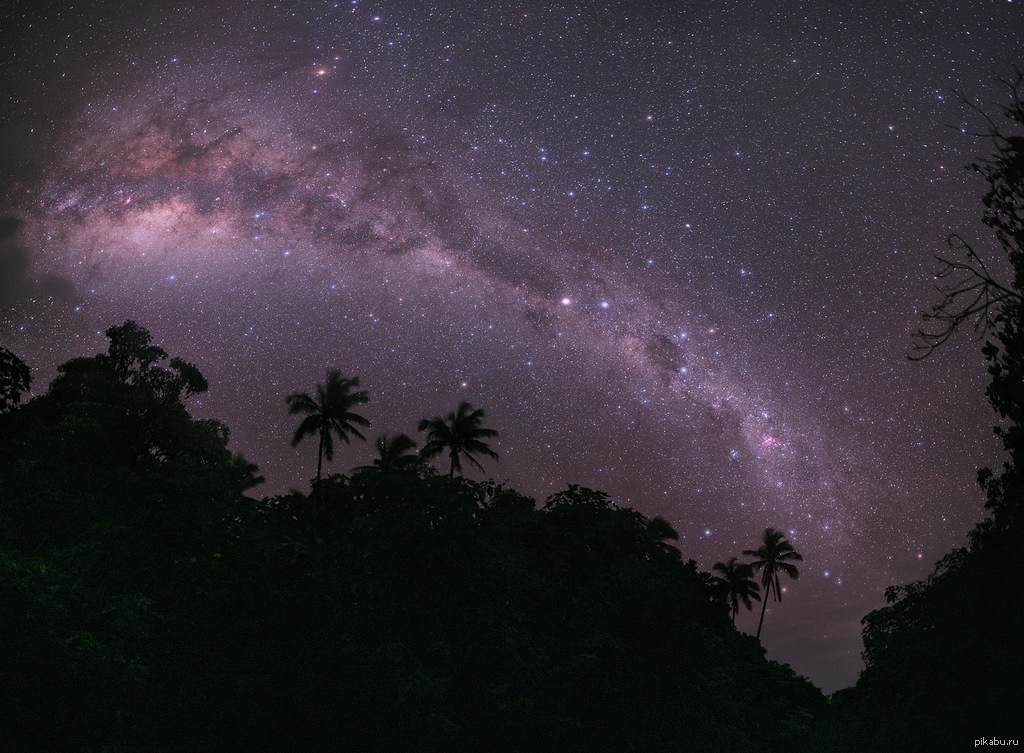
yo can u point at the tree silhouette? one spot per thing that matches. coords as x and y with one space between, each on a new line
15 378
991 296
971 291
661 533
393 453
133 356
737 584
775 555
329 414
460 434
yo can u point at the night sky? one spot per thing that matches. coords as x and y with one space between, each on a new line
675 250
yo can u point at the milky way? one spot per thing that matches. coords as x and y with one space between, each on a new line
675 255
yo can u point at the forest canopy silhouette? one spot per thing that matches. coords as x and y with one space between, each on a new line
150 604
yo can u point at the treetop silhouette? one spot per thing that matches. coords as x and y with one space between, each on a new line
329 414
775 556
461 434
396 452
735 581
15 378
970 291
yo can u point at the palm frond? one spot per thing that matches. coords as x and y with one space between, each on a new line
432 448
310 425
301 402
474 461
791 570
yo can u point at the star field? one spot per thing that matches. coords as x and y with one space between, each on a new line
675 252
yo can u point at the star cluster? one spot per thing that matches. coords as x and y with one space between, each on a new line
675 252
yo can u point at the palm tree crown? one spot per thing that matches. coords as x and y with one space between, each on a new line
461 434
393 453
330 414
736 582
775 555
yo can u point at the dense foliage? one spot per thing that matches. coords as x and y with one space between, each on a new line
148 604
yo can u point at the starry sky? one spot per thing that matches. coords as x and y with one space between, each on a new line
675 250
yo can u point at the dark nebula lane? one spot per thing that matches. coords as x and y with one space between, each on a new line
675 253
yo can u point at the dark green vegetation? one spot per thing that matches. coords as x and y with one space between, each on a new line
148 604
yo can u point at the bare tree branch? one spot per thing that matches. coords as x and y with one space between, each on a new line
970 292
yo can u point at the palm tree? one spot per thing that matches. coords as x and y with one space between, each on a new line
329 414
461 434
775 555
393 453
737 583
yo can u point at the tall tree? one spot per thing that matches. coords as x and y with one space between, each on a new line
774 557
393 453
329 414
736 582
461 434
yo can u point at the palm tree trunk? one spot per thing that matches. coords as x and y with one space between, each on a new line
764 605
451 473
320 455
